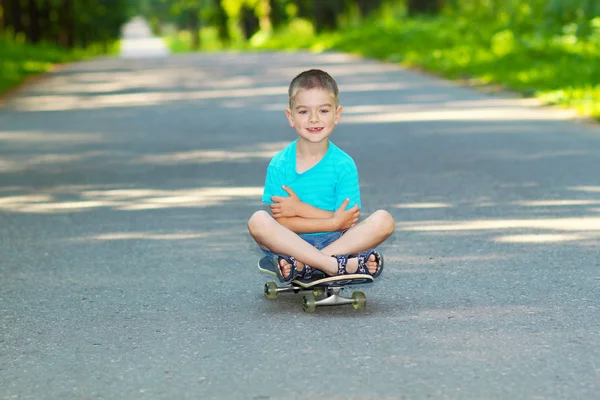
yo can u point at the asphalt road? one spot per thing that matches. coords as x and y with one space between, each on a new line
127 271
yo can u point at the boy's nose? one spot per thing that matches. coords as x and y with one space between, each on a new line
314 118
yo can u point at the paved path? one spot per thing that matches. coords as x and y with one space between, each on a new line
138 41
127 271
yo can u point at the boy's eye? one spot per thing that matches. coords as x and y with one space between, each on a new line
324 111
302 112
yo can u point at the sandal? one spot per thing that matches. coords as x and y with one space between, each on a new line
305 273
363 257
290 260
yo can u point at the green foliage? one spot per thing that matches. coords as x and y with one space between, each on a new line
533 47
19 59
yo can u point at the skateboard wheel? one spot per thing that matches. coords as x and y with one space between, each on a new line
318 292
309 304
360 300
271 290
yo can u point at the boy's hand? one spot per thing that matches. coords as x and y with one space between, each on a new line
286 206
344 219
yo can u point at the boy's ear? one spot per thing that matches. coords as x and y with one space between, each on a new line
290 117
338 114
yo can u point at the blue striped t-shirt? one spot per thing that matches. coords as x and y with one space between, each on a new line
324 186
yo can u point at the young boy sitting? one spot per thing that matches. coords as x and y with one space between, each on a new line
313 190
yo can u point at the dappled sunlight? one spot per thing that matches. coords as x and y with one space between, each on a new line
555 223
212 235
579 229
33 198
443 114
29 137
145 199
87 102
144 236
520 203
422 205
144 81
555 203
260 151
20 163
435 103
560 224
54 201
342 70
547 238
590 189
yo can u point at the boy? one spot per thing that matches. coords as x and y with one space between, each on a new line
313 191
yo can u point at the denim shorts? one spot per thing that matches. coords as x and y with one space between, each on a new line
318 241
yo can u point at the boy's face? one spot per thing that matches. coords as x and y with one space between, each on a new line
314 114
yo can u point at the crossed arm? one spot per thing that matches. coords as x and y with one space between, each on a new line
300 217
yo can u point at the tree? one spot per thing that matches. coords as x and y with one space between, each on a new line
415 7
68 23
367 6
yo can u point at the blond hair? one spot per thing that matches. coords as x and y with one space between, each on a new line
313 79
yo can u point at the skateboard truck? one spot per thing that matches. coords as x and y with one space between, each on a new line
310 302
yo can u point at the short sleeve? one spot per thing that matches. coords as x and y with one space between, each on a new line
348 187
273 184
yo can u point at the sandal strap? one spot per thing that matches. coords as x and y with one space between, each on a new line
307 272
342 261
362 265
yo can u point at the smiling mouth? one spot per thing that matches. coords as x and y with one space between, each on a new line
314 130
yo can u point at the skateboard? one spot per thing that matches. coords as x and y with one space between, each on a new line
325 290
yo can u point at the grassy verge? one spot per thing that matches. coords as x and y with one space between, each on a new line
558 70
20 60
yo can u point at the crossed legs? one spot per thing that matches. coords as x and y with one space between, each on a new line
367 234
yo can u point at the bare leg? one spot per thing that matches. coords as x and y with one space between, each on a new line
365 235
267 232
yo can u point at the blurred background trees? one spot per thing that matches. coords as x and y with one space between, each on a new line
72 23
68 23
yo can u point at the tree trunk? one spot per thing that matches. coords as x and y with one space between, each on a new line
66 25
195 29
367 6
14 16
249 22
33 29
222 23
2 13
44 21
326 13
416 7
264 20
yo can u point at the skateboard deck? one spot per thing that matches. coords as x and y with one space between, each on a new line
318 279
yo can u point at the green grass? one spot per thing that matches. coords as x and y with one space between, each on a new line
19 60
558 70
